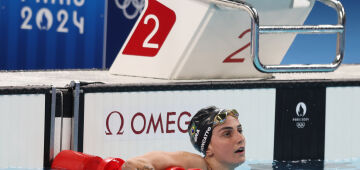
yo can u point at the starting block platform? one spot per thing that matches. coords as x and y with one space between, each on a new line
212 39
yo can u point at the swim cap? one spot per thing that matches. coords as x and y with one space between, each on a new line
201 126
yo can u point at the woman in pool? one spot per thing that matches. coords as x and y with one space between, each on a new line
217 133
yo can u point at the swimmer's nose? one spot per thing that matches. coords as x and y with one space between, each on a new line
240 138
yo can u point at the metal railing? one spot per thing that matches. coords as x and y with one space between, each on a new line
256 30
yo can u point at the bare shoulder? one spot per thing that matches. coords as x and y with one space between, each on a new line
190 160
163 160
187 155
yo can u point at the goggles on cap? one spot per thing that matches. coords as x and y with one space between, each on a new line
221 116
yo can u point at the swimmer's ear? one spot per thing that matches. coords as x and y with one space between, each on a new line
209 152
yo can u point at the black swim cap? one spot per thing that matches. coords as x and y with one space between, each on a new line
201 126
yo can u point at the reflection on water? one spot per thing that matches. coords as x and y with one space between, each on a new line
349 164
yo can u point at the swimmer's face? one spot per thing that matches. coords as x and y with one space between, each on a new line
228 143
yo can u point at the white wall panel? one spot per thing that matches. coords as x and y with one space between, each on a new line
342 136
256 108
22 130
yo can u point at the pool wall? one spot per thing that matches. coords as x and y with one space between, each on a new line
282 120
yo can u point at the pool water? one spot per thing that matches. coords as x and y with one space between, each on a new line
348 164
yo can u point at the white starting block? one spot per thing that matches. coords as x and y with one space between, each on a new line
217 39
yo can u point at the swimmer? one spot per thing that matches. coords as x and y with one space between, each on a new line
216 133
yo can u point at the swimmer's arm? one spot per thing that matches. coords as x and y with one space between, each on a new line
160 160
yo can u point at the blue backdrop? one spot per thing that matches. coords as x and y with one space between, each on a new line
321 48
120 20
48 34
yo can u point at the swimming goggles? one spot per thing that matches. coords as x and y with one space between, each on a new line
221 116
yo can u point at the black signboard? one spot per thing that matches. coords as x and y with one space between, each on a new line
300 124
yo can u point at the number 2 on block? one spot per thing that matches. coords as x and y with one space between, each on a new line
153 32
230 58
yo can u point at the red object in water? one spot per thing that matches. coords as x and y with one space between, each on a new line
111 164
71 160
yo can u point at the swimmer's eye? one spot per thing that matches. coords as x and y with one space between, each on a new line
227 133
239 128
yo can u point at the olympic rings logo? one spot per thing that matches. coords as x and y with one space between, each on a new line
137 4
300 125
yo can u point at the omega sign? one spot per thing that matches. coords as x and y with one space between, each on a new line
300 119
139 123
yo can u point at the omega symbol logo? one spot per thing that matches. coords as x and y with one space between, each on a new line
301 109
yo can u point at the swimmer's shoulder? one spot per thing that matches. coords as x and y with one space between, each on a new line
191 160
162 160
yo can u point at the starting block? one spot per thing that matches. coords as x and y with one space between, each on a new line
220 39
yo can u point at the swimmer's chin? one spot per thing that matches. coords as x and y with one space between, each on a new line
240 162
